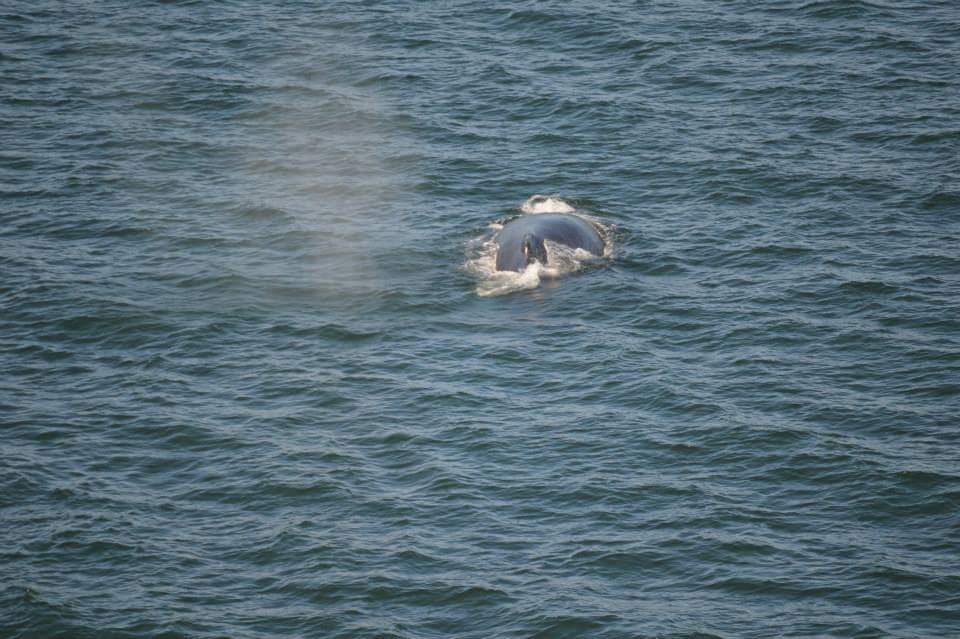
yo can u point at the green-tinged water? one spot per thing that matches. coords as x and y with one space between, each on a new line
259 382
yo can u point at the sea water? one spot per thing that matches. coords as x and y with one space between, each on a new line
259 379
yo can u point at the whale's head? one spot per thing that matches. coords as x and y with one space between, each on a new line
534 249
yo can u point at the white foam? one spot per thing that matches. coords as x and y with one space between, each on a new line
503 282
546 204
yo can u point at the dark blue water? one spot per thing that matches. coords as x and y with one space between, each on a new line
256 381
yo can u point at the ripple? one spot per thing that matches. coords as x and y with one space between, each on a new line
244 362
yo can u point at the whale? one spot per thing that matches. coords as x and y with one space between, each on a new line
521 240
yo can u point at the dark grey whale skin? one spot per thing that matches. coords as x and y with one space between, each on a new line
568 230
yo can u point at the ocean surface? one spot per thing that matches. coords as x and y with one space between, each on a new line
258 378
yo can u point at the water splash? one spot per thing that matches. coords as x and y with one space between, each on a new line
546 204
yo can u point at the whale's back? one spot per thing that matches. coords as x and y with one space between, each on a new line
568 230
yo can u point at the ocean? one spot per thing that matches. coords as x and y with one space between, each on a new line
260 379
